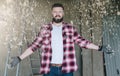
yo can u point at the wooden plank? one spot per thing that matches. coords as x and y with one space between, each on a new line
97 38
97 56
86 33
86 53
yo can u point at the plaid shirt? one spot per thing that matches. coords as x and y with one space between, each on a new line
70 36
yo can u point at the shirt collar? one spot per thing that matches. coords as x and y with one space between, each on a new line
63 24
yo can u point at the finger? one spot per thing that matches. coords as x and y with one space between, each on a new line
109 52
10 66
12 57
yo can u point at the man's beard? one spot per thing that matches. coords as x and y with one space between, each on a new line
57 20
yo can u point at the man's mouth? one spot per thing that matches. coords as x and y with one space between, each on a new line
57 16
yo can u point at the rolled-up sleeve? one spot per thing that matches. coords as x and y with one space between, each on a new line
82 42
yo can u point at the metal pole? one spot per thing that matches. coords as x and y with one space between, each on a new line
6 68
18 66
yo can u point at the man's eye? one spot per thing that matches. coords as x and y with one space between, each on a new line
61 12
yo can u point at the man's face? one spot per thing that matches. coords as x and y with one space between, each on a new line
57 13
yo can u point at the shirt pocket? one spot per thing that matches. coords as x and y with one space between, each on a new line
68 37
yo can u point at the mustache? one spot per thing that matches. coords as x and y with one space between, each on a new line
57 16
57 20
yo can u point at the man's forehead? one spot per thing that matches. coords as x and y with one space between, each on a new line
57 8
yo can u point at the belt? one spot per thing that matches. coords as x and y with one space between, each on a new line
56 65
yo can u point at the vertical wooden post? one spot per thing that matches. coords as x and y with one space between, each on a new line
97 56
86 53
97 39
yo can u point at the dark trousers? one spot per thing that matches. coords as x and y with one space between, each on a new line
56 71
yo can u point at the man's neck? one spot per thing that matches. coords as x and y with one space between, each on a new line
57 24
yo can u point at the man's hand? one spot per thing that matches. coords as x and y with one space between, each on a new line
105 49
14 62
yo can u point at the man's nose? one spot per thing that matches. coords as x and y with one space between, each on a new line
57 13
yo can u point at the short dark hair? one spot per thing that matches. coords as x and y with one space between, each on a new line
57 5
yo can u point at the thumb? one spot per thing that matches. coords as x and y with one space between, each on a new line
10 66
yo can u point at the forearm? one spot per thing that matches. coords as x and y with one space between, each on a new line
26 53
92 46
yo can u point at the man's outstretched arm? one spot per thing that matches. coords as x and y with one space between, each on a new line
87 44
33 47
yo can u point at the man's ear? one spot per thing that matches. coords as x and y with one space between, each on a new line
63 13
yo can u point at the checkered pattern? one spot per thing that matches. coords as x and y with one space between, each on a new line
70 36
